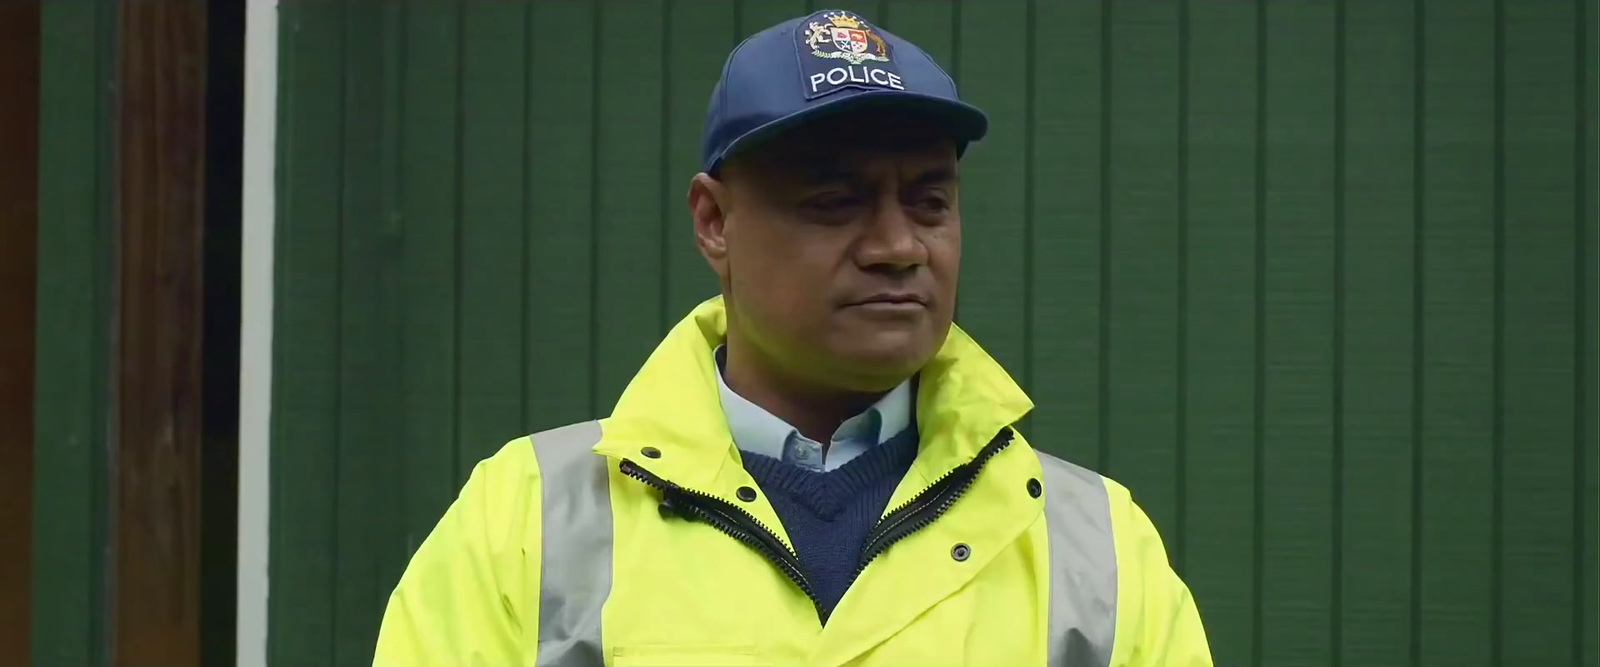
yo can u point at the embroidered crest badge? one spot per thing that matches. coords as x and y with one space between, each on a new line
844 36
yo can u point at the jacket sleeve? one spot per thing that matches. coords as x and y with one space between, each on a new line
1157 623
456 602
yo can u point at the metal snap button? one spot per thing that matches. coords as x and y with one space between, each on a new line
651 453
1034 488
960 552
746 494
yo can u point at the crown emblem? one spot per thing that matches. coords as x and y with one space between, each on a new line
844 20
844 36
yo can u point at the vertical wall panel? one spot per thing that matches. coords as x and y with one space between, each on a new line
628 215
369 351
1313 279
1457 273
424 103
1376 273
1141 258
73 335
930 24
992 301
386 529
494 99
561 235
699 37
427 67
1586 468
1218 546
1064 250
1537 276
306 338
1299 325
758 15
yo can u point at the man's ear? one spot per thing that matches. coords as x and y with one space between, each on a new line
709 206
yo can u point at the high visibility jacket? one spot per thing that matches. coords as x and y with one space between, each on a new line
627 541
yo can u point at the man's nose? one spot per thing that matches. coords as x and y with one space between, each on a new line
890 240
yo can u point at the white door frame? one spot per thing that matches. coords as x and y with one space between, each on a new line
255 326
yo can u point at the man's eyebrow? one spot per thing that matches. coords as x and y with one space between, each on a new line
939 175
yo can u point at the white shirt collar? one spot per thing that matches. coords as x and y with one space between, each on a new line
758 431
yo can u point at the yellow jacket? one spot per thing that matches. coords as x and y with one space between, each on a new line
623 542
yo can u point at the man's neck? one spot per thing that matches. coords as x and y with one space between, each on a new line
814 411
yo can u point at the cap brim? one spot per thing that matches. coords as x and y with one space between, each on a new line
962 122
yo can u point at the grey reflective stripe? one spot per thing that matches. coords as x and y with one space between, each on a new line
1083 565
575 573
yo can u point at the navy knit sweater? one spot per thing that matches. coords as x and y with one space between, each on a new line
828 514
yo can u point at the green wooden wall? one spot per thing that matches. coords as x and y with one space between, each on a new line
74 341
1315 279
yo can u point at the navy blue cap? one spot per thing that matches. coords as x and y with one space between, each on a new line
825 63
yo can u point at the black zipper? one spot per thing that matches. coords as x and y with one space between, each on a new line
928 505
914 515
730 519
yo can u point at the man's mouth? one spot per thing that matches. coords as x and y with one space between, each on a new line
891 302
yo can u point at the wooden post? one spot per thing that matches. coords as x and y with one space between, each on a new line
19 144
165 470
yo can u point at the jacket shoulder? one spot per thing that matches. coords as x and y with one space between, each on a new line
1068 470
1074 482
574 438
563 467
1062 473
546 453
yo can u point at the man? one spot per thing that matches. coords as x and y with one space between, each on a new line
816 467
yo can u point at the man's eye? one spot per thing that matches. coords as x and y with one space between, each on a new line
931 202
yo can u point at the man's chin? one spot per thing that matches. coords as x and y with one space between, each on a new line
879 365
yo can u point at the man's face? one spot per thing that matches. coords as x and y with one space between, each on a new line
838 247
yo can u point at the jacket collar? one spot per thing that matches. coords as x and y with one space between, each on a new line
964 397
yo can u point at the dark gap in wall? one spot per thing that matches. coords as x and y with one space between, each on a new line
220 357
